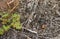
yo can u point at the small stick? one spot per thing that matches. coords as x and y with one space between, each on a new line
13 8
8 3
30 30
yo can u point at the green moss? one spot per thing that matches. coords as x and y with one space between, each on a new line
8 21
6 28
1 31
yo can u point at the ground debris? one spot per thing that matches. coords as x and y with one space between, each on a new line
34 14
